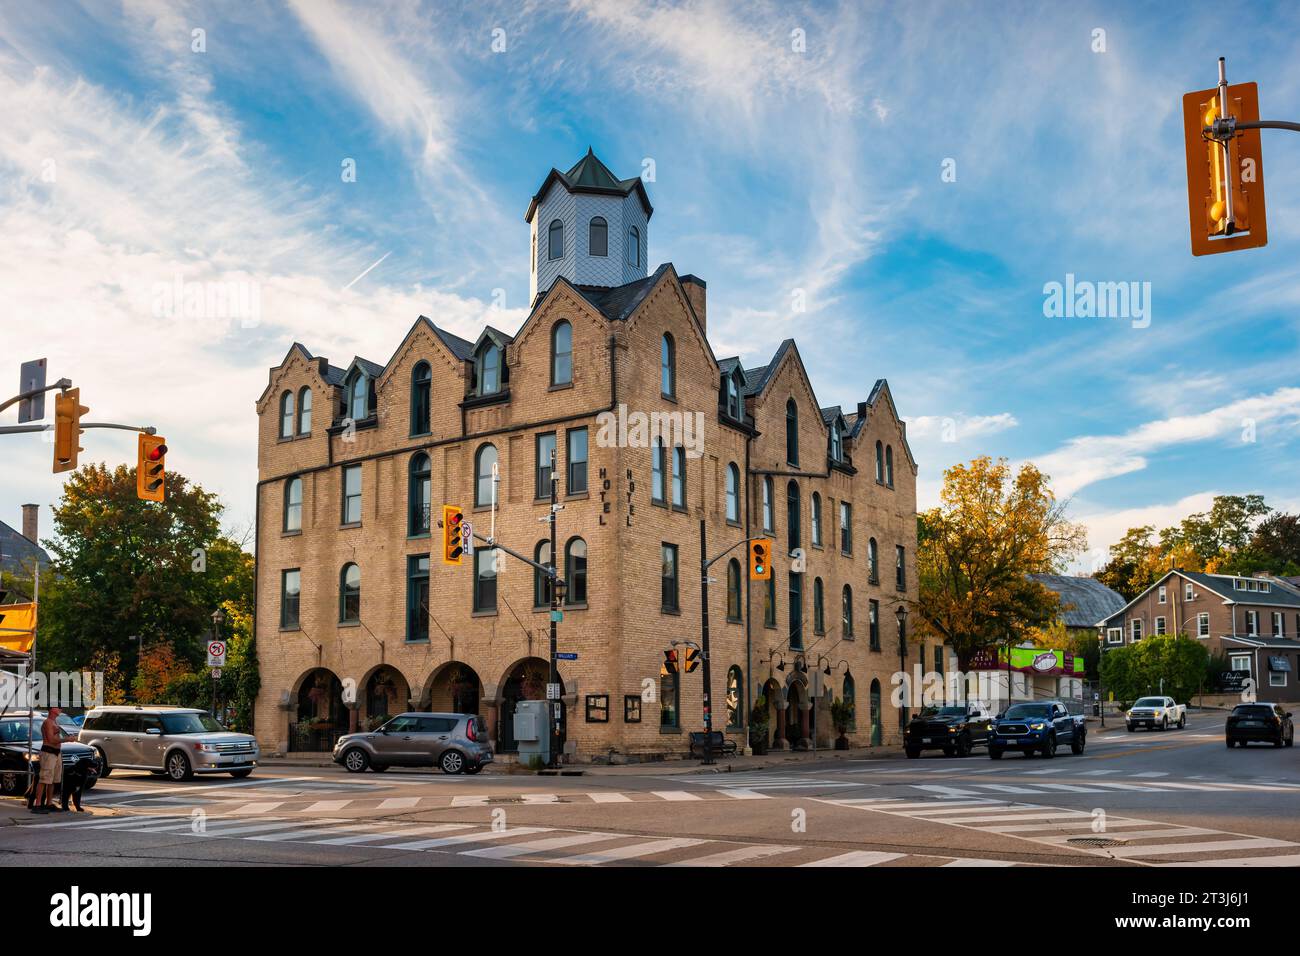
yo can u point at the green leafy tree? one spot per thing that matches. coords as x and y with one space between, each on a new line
1137 669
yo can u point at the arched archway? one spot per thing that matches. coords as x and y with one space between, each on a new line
775 697
455 688
526 679
876 732
320 717
384 692
797 729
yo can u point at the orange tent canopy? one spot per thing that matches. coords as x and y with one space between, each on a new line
17 627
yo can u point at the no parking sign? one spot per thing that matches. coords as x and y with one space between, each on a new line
216 653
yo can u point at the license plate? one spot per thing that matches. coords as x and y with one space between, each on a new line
1251 723
927 740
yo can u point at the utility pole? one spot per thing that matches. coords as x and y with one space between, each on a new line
704 646
555 616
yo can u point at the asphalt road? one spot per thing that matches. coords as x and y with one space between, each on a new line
1144 799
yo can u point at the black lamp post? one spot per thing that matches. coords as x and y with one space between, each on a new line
217 620
900 613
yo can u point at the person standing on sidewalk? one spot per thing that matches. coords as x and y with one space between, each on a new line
51 764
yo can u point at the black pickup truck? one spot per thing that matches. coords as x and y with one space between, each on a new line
955 730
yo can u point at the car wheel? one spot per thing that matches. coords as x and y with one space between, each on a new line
949 751
104 768
1290 741
178 766
1164 724
995 753
475 769
1130 728
241 774
912 752
1182 722
452 762
1078 743
1228 741
963 746
356 760
1278 742
378 767
1049 749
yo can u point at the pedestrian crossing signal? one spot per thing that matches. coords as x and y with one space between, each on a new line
760 560
692 659
453 546
669 664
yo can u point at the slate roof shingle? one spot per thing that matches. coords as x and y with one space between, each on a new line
1084 601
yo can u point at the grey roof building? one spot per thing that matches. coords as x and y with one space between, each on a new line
1084 601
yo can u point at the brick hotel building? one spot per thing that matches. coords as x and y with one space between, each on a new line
358 618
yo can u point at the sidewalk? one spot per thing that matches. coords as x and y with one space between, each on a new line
14 812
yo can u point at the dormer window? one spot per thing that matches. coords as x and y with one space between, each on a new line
837 442
358 398
487 370
598 237
791 433
555 240
730 397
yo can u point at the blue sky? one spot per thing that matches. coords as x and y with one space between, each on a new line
128 159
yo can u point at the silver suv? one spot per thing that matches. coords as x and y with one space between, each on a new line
176 741
456 743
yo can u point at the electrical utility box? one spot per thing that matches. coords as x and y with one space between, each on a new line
532 730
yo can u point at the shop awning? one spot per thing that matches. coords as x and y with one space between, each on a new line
1279 664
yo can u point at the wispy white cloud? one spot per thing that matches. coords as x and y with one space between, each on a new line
958 428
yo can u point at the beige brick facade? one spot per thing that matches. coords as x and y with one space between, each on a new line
621 632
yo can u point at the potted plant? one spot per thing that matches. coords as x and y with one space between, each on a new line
842 718
758 719
533 683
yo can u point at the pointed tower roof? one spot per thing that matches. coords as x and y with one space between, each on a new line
590 175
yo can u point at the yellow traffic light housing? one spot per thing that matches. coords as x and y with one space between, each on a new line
1219 177
452 548
67 429
692 660
151 468
669 664
760 559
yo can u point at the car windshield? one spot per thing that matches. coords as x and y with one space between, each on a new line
944 712
1150 702
1252 710
190 724
1030 710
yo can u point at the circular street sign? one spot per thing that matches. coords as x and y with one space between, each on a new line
216 673
217 648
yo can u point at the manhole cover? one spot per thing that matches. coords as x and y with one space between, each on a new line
1095 841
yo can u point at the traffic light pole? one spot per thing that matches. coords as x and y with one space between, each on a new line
20 429
555 613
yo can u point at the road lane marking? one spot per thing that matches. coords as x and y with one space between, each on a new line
327 806
741 855
390 834
629 852
539 846
973 862
945 791
743 794
609 798
1207 846
399 803
676 795
482 837
857 858
1290 860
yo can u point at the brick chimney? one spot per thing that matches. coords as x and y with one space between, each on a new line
31 517
695 288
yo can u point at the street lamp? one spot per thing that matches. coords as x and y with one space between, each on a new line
900 613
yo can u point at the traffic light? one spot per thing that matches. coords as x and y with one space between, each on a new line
692 659
1213 175
760 559
453 548
151 468
670 663
67 429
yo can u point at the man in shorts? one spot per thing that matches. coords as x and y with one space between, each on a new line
51 763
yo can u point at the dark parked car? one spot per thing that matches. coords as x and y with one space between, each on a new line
455 743
17 748
954 729
1265 722
1038 727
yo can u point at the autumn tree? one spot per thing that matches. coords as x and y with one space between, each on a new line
975 553
127 568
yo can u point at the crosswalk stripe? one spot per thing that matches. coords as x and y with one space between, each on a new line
675 795
629 852
327 806
1152 773
856 858
1034 773
224 831
312 831
1116 785
540 798
1170 830
609 798
399 803
946 791
390 834
481 837
1206 846
256 807
1012 817
539 846
479 801
967 806
1097 773
106 822
1008 788
1290 860
741 855
744 794
1070 788
973 862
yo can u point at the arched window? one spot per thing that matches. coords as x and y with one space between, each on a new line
575 571
679 477
849 695
484 459
562 353
657 472
356 402
555 240
873 562
349 594
791 433
487 370
793 507
819 607
767 503
837 442
880 462
816 520
733 398
419 495
846 612
735 694
889 465
421 397
733 493
733 590
304 411
668 366
634 246
796 610
293 504
542 582
598 237
286 415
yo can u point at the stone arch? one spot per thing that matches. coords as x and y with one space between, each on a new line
317 714
382 692
524 679
797 724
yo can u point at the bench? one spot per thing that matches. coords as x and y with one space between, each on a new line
718 743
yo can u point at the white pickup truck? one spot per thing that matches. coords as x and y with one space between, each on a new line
1153 712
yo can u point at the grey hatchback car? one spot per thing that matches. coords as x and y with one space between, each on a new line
455 743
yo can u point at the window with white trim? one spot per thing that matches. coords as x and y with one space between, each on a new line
1115 635
1277 678
1240 662
1135 629
1162 594
1160 625
1187 591
1203 624
1252 623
